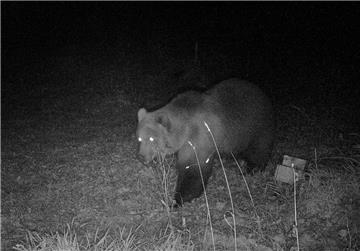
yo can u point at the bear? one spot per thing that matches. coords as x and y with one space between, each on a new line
239 115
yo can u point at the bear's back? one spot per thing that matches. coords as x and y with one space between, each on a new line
237 112
186 105
244 110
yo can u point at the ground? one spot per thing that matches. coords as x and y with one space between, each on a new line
70 179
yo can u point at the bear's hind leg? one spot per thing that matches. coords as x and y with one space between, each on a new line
259 153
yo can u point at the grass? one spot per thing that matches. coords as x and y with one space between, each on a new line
71 180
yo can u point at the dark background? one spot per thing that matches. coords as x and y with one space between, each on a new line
302 53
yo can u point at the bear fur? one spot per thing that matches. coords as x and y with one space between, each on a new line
239 116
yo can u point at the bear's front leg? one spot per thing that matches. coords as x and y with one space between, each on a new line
189 184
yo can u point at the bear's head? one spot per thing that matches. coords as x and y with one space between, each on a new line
154 134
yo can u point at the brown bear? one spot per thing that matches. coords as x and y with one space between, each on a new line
239 116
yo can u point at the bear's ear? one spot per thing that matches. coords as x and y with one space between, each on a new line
164 120
141 114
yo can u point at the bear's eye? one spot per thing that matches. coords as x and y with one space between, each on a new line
151 139
139 139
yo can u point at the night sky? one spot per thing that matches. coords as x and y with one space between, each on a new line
303 52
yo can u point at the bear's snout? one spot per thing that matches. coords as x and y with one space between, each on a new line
145 158
141 158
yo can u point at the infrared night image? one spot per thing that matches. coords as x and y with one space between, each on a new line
180 126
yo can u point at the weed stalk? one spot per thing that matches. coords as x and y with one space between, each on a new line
295 213
258 221
227 182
